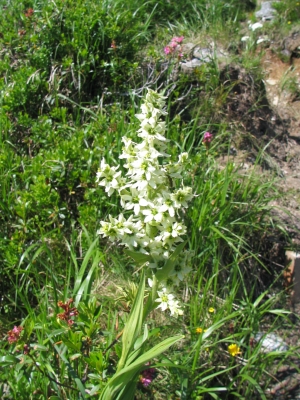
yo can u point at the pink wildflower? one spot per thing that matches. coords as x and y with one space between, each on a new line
178 39
147 376
14 334
207 137
174 47
167 50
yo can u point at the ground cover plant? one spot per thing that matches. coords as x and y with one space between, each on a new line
130 256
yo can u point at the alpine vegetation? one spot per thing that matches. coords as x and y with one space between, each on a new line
148 190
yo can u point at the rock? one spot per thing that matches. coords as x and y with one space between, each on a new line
205 55
292 43
267 12
201 55
270 342
189 66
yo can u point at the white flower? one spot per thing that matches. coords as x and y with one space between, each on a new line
168 206
165 299
181 197
134 200
255 26
136 237
183 158
245 38
129 151
111 178
181 271
175 309
153 214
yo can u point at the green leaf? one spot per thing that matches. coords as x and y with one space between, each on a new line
84 280
118 383
248 378
140 258
140 340
8 360
60 352
279 312
134 324
168 268
39 347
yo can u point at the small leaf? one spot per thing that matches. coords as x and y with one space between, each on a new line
170 264
8 360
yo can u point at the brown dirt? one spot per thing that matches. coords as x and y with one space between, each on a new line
268 113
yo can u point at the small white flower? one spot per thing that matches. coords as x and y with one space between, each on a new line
181 197
255 26
175 309
168 206
245 38
165 299
153 214
133 200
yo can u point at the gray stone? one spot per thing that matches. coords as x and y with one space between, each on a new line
267 12
205 55
270 342
292 43
189 66
201 55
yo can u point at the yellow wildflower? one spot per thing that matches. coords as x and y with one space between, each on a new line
234 349
211 310
199 330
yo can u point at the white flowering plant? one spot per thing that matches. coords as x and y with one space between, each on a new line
154 230
152 196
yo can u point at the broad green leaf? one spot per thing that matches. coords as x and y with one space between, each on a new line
134 324
39 347
140 258
8 360
125 375
140 340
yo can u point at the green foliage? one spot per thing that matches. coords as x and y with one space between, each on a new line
71 74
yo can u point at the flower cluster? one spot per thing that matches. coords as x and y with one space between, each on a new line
175 47
14 334
207 138
147 376
68 312
29 12
148 191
